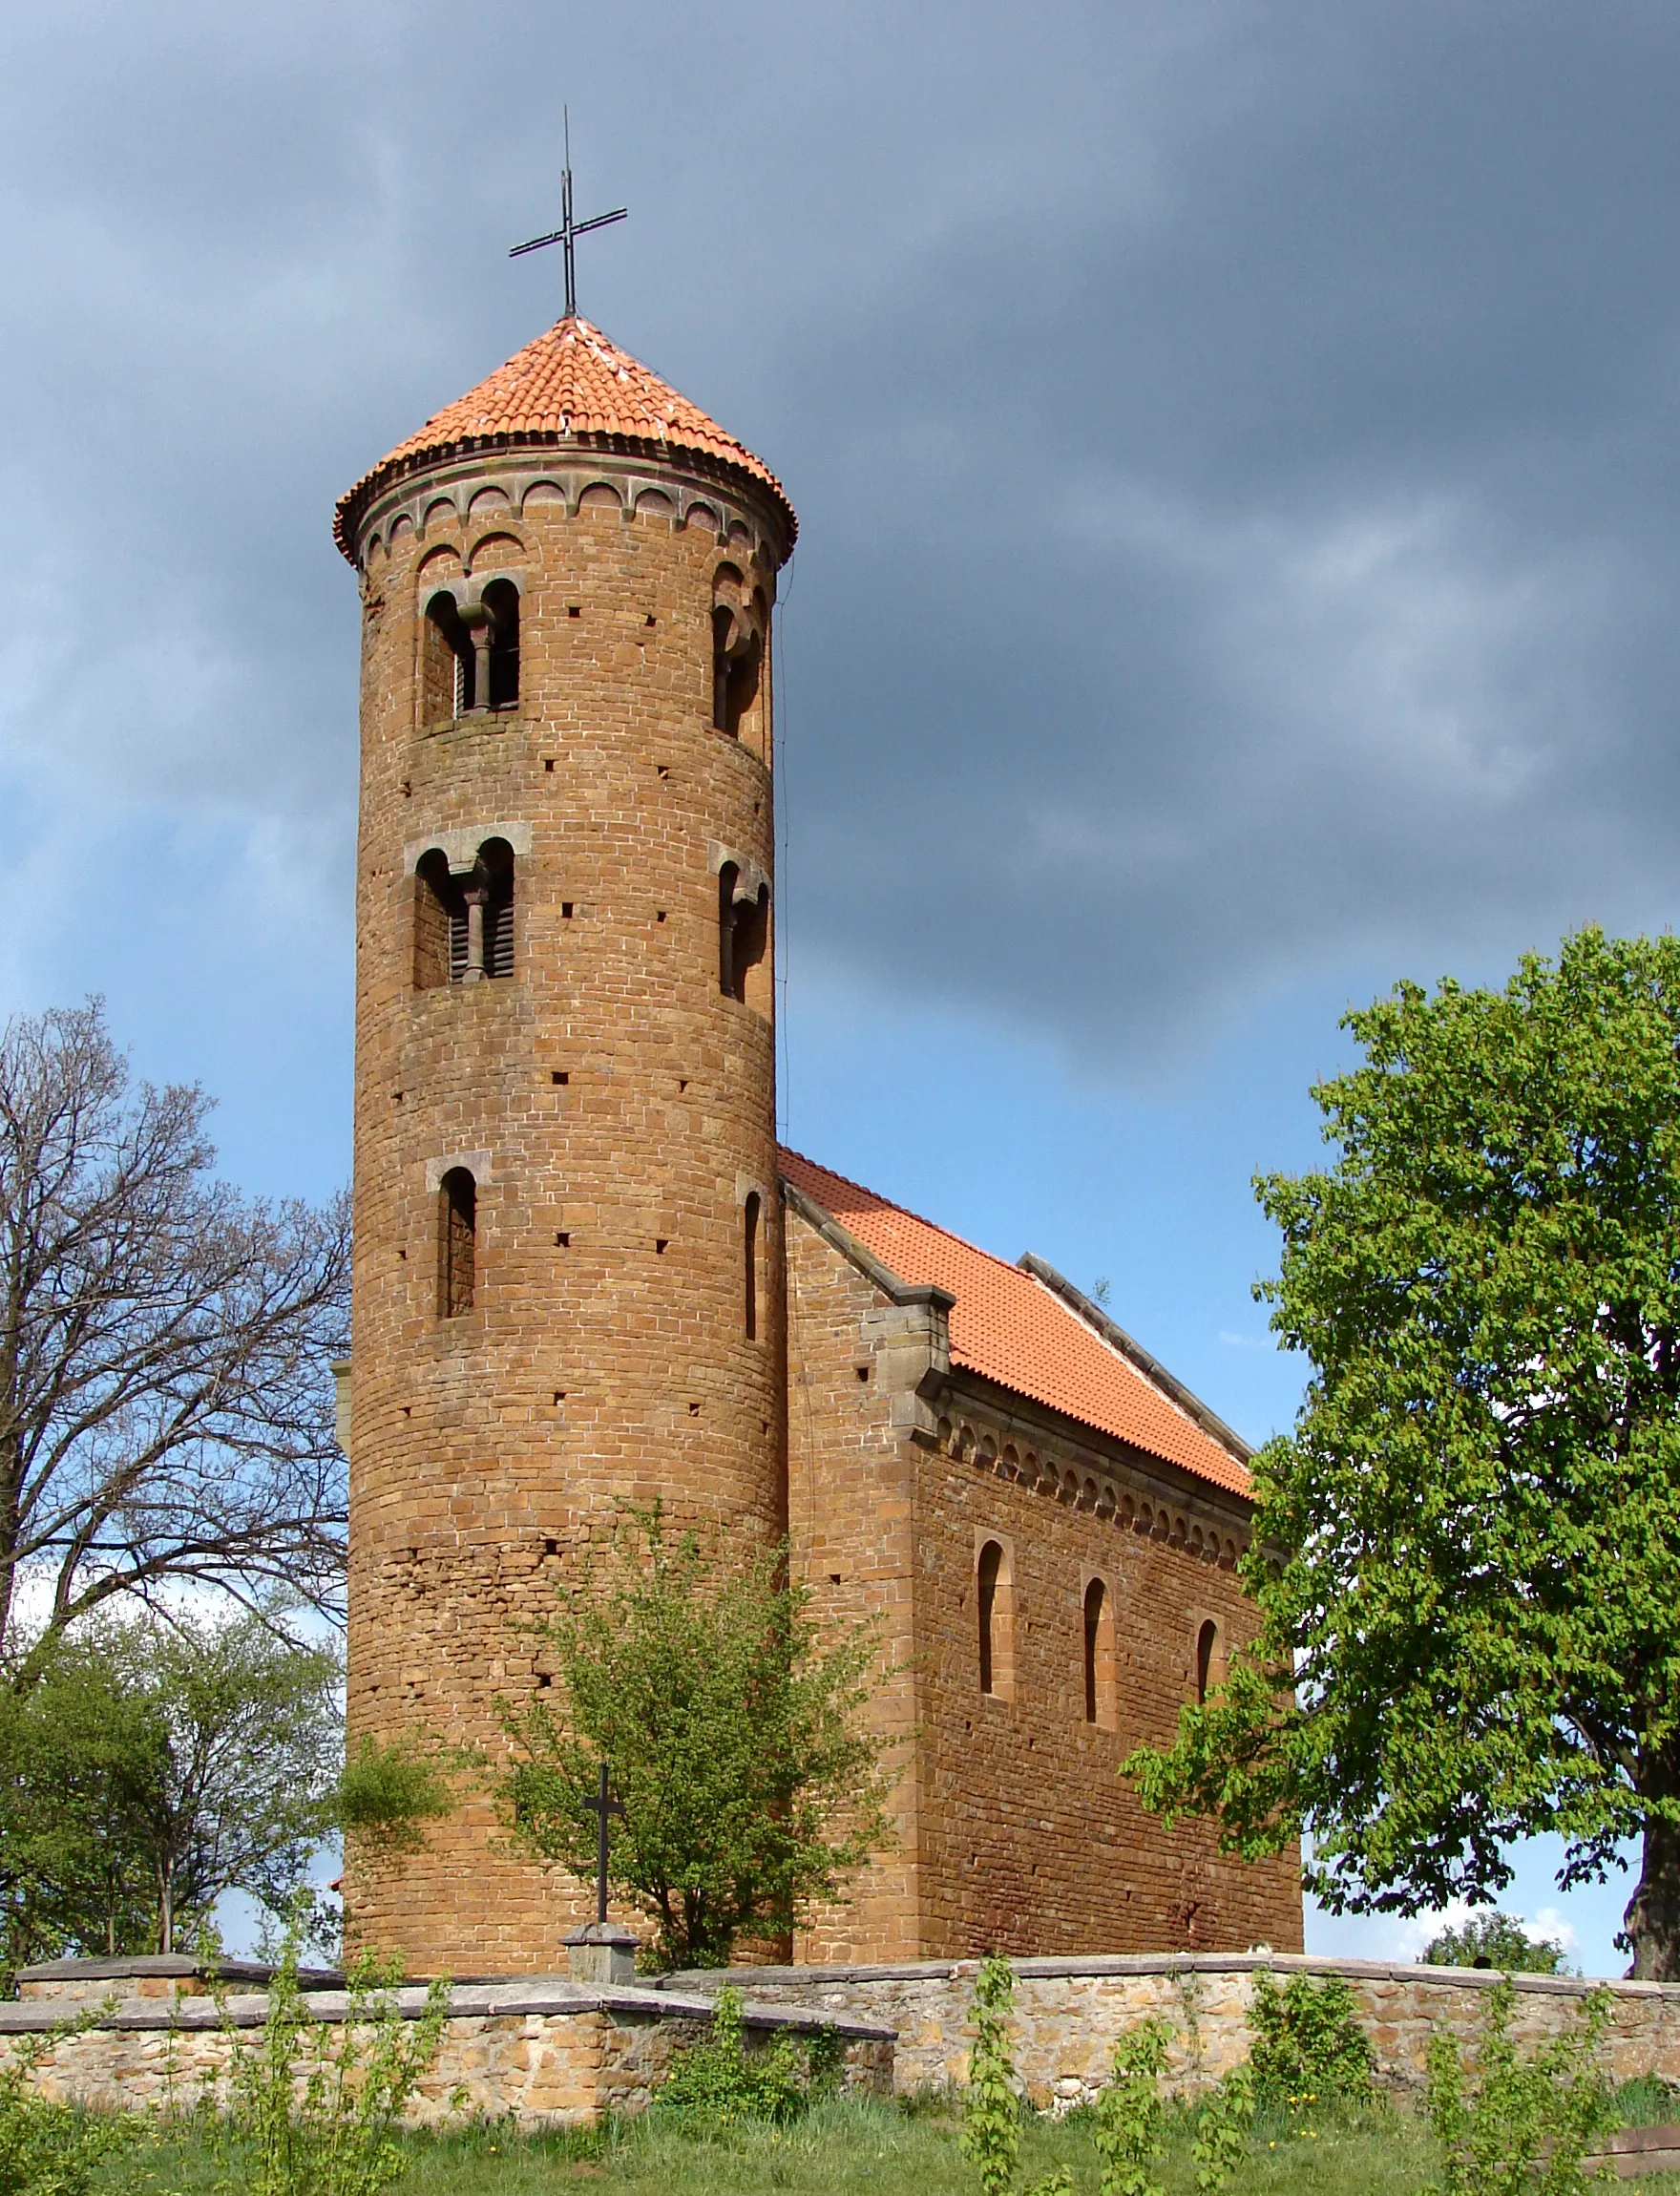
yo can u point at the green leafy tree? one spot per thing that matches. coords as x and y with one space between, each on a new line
75 1752
1466 1556
750 1786
1495 1940
154 1766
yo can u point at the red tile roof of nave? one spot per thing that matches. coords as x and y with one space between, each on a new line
1011 1329
570 382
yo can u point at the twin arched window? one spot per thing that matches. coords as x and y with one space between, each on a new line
469 653
464 923
740 615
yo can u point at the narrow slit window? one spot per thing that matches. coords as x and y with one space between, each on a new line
1210 1661
727 877
738 629
1102 1658
457 1219
749 1255
988 1575
1094 1599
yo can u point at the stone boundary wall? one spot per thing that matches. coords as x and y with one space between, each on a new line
1069 2012
540 2051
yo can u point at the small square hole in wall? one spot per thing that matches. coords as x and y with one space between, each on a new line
551 1548
693 1410
681 1085
659 1245
396 1097
651 619
863 1372
559 1397
543 1680
573 609
663 769
407 1410
548 762
564 1239
563 1075
833 1578
566 909
402 1254
407 789
660 917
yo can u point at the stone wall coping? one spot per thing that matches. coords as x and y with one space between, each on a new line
170 1965
1102 1964
533 1996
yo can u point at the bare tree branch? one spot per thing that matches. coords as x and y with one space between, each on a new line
166 1407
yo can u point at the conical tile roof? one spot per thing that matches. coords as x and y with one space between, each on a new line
570 384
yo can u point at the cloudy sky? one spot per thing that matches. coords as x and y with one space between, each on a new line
1234 448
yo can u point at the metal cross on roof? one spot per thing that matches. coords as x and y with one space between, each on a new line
569 231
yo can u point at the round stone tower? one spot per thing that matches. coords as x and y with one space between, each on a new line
568 1288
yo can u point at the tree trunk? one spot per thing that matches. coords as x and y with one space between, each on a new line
166 1908
1652 1919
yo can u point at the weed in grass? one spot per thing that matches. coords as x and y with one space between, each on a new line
991 2117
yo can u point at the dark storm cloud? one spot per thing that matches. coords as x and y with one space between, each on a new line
1234 448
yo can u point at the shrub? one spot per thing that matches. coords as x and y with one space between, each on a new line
1520 2127
47 2148
312 2105
718 2083
991 2117
1307 2042
1127 2129
1221 2141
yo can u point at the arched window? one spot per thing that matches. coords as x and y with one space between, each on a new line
749 1253
1101 1687
994 1610
744 930
457 1242
445 663
1209 1660
501 598
464 922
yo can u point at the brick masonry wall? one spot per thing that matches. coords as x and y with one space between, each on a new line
542 2057
623 1101
1068 2014
1015 1828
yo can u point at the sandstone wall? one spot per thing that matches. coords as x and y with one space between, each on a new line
1069 2012
541 2054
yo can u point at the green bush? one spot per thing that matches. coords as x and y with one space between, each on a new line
1221 2141
718 2083
1307 2042
313 2107
1127 2123
1519 2128
991 2116
49 2149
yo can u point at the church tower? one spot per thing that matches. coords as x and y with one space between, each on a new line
568 1288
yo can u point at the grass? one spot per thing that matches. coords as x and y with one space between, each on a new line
843 2148
860 2148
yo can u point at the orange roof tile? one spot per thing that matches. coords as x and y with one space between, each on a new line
1011 1328
570 384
